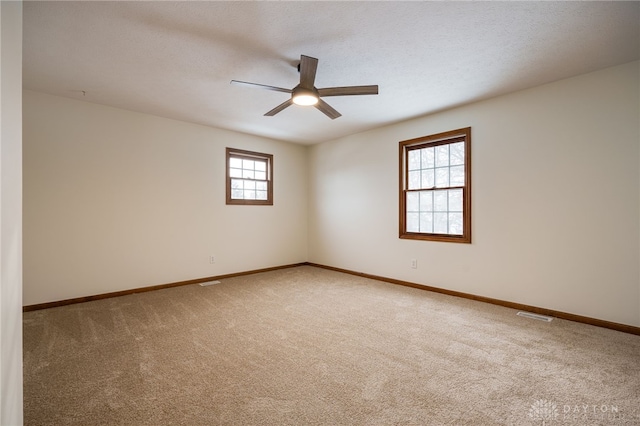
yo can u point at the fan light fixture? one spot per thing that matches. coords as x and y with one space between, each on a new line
304 97
307 94
305 100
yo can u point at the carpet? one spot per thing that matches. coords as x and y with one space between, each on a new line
309 346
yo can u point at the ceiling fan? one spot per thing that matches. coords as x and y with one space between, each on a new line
306 93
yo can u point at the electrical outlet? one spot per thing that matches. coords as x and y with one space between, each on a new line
414 263
212 259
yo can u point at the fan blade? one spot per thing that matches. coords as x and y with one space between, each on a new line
327 109
308 67
348 90
279 108
261 86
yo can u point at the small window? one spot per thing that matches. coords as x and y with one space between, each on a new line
435 187
249 177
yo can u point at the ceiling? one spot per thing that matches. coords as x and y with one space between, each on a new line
176 59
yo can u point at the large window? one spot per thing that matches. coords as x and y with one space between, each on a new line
249 177
435 187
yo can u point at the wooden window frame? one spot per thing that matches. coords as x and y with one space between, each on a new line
250 155
444 138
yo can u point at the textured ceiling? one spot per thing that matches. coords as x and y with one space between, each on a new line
176 59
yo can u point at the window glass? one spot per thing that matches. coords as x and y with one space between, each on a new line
249 177
435 187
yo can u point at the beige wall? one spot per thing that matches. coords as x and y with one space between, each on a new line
10 213
555 199
115 200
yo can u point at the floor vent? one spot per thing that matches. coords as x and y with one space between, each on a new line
208 283
535 316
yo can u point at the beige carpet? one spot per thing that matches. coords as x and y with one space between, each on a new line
308 346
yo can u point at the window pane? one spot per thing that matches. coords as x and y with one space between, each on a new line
414 179
455 200
456 153
412 201
426 201
414 159
436 178
428 158
455 223
428 180
440 223
426 222
442 177
413 222
440 201
457 176
248 177
442 155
